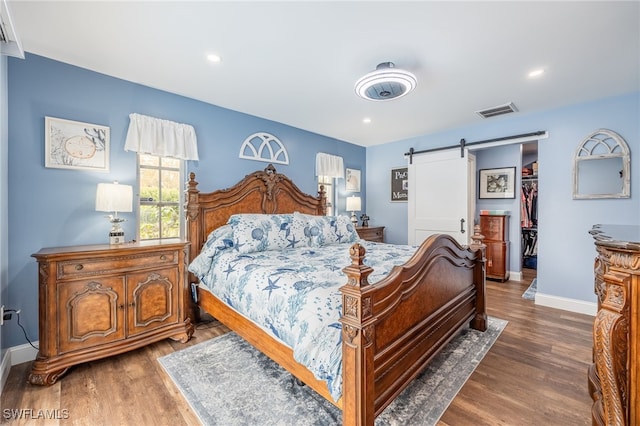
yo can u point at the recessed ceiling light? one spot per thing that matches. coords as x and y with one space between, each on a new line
366 120
536 73
385 83
214 58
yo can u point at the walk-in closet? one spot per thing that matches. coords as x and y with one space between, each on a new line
529 206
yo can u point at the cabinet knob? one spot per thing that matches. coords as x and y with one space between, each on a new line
163 257
79 267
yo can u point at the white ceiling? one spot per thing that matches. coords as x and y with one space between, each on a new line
297 62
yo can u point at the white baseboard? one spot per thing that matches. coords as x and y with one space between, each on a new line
515 276
23 353
5 367
572 305
13 356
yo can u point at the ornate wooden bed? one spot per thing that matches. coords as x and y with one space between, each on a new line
390 330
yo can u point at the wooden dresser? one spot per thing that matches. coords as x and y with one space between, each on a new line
495 229
371 233
614 381
101 300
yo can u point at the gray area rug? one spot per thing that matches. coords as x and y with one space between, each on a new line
530 293
228 382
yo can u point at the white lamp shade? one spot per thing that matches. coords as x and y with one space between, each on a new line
113 197
354 204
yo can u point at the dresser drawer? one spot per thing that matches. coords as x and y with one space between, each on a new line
97 266
492 227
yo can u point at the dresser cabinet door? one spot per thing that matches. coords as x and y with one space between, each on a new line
91 312
495 253
152 301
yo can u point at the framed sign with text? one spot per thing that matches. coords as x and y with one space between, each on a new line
399 184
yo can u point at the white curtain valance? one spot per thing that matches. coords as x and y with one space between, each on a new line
164 138
329 165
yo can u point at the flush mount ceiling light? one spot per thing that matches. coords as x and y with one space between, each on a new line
536 73
386 82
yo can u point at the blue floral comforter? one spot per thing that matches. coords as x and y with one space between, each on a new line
293 294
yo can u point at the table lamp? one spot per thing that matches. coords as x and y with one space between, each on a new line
113 197
354 204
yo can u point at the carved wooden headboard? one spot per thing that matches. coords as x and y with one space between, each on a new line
263 191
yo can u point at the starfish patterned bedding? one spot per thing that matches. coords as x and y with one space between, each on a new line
283 272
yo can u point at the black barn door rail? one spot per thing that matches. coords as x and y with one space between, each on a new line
463 144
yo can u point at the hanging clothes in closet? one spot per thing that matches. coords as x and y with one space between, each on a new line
529 204
529 222
530 240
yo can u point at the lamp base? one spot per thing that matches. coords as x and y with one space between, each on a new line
116 235
354 219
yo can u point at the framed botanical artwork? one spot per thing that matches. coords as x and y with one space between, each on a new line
399 184
352 180
75 145
498 183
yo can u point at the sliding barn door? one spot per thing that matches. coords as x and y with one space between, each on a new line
442 195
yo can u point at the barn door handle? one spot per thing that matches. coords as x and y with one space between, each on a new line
462 226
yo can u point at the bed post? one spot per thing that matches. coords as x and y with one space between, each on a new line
194 234
358 393
479 321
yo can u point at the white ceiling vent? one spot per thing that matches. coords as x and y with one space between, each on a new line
497 110
9 43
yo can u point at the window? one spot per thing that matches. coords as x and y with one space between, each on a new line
161 182
328 189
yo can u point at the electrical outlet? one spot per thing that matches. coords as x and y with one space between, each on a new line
7 314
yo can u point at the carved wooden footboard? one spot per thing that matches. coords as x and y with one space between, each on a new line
390 330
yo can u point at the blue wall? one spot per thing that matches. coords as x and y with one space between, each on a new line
56 207
4 211
565 249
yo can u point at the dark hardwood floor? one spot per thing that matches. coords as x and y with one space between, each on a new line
535 374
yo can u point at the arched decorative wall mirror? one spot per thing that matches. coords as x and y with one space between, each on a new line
602 167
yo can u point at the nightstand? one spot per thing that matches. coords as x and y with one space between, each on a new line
102 300
371 233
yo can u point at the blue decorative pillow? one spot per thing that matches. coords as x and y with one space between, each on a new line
219 240
262 232
325 230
